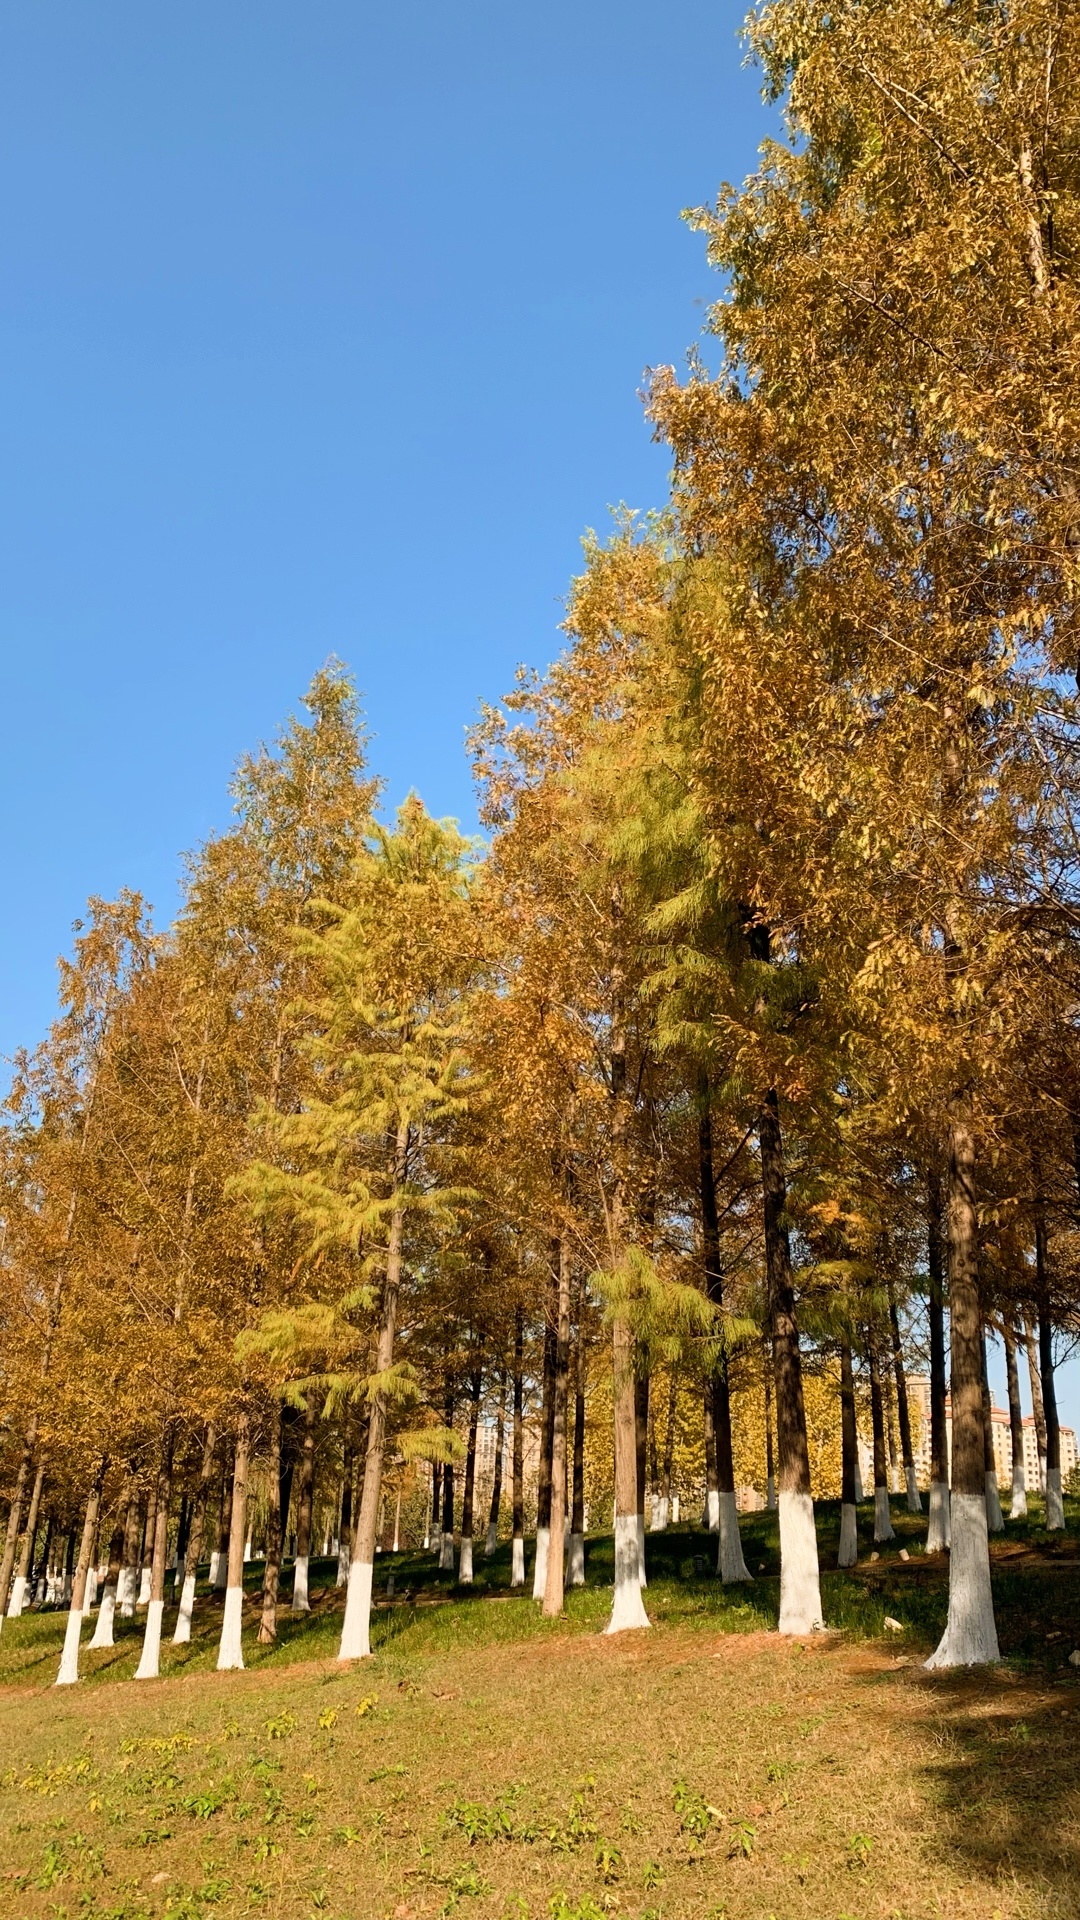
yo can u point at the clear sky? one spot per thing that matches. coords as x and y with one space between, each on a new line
321 331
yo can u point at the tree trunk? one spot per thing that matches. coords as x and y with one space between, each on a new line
553 1583
995 1519
492 1539
669 1452
103 1632
1018 1502
11 1540
730 1563
356 1630
150 1662
883 1526
274 1533
465 1560
547 1429
219 1559
304 1502
711 1516
903 1414
937 1537
641 1462
345 1512
230 1650
575 1570
1038 1414
195 1539
770 1469
147 1562
970 1637
22 1565
517 1548
183 1529
800 1589
69 1659
446 1543
1055 1511
849 1455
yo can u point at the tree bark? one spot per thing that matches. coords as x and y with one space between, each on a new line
492 1539
883 1526
69 1659
800 1588
304 1502
230 1650
1038 1414
849 1456
553 1583
517 1550
11 1539
103 1632
641 1461
937 1537
22 1565
465 1562
356 1630
547 1430
730 1563
575 1571
1018 1502
274 1531
182 1634
995 1520
1055 1511
970 1637
903 1414
150 1662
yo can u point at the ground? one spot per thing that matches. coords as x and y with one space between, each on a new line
529 1770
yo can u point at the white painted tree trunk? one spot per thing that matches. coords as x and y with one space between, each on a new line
356 1631
883 1526
1018 1500
517 1561
540 1563
937 1537
800 1586
860 1494
995 1519
69 1659
914 1497
628 1607
492 1540
660 1513
641 1549
18 1596
894 1479
730 1564
770 1493
435 1543
231 1648
970 1637
103 1632
575 1563
674 1509
215 1567
849 1535
712 1510
1055 1510
465 1572
342 1565
446 1553
300 1601
183 1619
91 1590
247 1548
144 1587
149 1665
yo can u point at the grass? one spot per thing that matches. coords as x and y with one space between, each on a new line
522 1769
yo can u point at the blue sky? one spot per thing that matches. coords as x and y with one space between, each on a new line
321 331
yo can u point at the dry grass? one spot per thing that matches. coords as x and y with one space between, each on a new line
481 1761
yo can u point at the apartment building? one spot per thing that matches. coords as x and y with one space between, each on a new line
918 1386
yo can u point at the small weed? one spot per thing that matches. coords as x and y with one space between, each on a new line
327 1719
859 1848
607 1860
652 1877
282 1726
743 1841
